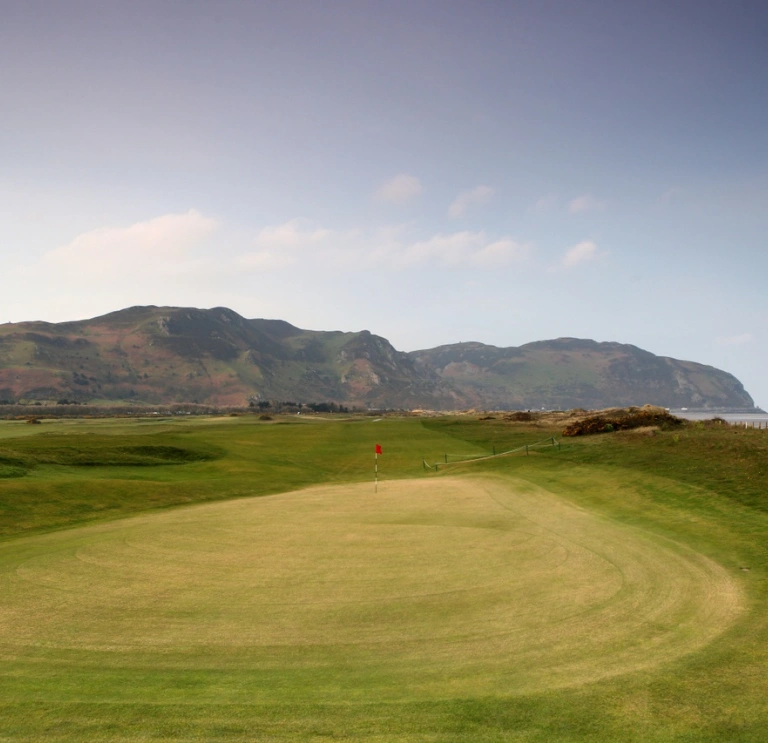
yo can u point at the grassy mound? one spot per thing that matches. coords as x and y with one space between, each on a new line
20 455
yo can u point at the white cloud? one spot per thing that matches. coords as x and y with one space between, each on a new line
163 245
736 340
454 249
545 205
502 251
449 249
282 245
165 260
467 199
586 203
392 247
401 189
292 234
582 252
176 251
278 270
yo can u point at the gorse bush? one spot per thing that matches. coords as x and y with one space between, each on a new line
623 420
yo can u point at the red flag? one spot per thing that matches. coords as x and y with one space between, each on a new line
378 448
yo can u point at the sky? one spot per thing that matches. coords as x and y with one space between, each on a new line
434 171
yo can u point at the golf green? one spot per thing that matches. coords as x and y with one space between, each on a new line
429 589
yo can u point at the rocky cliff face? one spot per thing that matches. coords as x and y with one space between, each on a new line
171 354
572 372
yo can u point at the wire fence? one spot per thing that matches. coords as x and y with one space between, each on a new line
450 459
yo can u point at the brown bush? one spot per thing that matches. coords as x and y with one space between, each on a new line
622 420
522 416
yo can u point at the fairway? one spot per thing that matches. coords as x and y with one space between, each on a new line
431 589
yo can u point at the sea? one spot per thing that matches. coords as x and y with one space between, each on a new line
756 419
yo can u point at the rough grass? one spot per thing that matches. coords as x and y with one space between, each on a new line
614 589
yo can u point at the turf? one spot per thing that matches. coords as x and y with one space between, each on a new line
315 594
607 590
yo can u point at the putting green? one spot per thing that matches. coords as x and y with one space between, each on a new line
429 589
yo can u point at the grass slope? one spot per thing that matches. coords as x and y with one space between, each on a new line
614 589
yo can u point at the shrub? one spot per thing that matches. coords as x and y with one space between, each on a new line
522 416
622 420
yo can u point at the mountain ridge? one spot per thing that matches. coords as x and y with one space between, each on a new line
159 354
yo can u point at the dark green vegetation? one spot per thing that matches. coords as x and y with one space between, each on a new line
168 355
703 487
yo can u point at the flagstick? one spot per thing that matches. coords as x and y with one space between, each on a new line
376 453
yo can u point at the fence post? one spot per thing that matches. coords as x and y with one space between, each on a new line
526 450
446 459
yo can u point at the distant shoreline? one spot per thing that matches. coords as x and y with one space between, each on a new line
755 415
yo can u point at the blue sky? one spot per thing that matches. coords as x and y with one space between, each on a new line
434 171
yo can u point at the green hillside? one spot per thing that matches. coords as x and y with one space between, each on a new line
161 355
572 372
